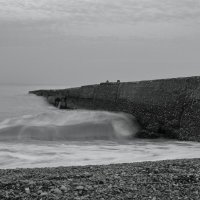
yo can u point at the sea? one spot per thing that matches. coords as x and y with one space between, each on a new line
36 134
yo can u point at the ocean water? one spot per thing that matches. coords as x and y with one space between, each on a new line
35 134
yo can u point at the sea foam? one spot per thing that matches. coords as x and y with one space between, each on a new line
69 125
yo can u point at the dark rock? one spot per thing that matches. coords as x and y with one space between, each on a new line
147 134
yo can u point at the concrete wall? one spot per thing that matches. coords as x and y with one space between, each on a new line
170 107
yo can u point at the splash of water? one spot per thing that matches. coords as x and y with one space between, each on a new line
69 125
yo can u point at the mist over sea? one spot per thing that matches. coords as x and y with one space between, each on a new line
35 134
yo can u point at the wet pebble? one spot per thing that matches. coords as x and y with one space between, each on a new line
27 190
79 187
57 191
63 188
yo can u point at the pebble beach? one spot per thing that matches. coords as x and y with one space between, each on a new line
171 179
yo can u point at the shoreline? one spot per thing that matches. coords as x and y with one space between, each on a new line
168 179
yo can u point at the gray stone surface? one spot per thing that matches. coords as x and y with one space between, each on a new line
161 180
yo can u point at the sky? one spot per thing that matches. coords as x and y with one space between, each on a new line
78 42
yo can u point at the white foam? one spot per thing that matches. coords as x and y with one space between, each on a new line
53 154
69 125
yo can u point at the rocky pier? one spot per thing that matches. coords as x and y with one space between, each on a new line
168 107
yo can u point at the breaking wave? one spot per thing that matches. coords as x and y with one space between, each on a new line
78 125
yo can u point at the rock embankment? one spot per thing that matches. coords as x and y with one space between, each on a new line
169 108
179 179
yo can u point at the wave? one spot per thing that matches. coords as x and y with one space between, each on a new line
56 125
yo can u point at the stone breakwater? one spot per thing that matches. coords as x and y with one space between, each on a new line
168 107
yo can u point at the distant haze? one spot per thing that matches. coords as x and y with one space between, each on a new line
76 42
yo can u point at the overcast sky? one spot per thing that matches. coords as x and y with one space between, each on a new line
76 42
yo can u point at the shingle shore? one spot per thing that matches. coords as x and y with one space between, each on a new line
175 179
